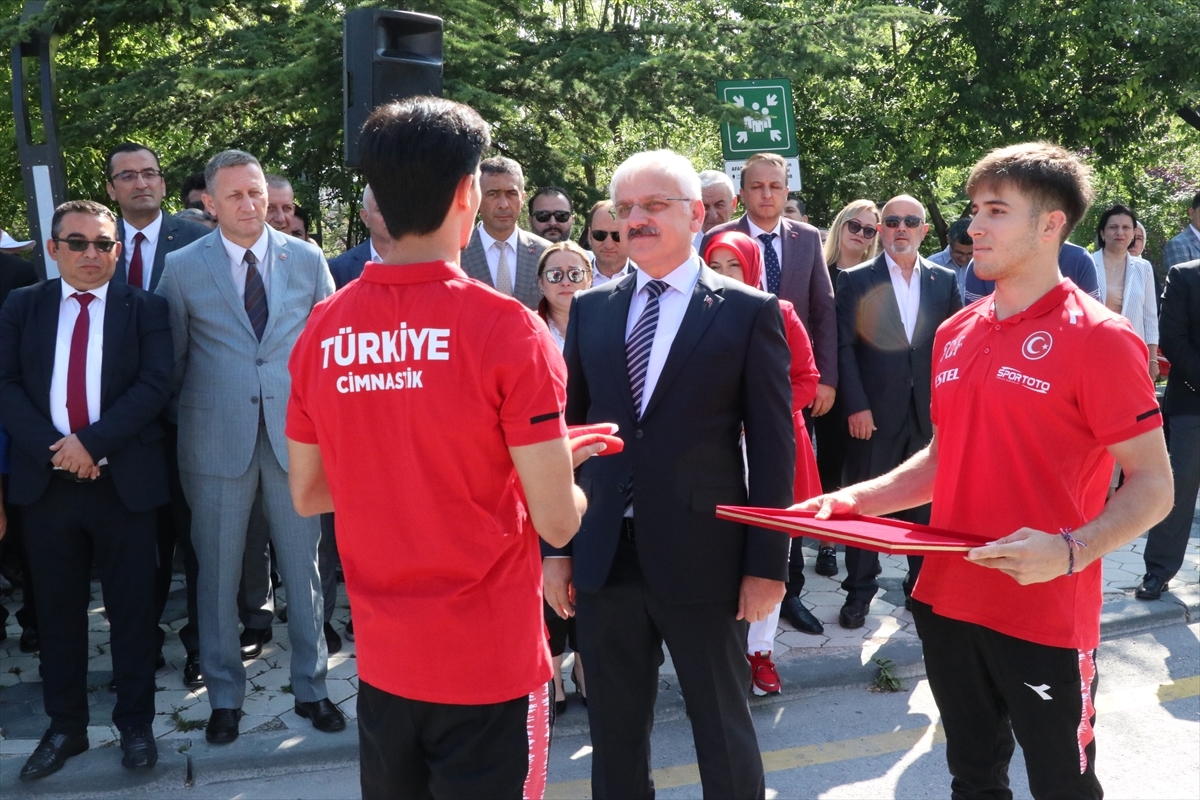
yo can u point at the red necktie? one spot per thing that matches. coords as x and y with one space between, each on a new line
77 405
135 261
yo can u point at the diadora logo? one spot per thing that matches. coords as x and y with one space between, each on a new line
1028 381
1042 690
1037 345
945 375
951 348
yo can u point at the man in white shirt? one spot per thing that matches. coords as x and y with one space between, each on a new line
608 251
499 253
888 312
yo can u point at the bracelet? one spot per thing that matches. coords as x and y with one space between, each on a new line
1072 543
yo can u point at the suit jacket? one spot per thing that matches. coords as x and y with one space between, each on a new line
174 234
135 382
1182 248
529 250
349 265
804 282
880 369
15 273
1179 330
727 368
222 372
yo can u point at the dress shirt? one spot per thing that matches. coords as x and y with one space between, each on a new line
68 312
237 264
493 254
672 304
149 248
599 278
374 253
908 294
777 243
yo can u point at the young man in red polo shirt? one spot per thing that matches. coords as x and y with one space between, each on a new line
1036 389
428 409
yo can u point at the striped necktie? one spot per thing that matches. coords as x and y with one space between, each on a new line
255 296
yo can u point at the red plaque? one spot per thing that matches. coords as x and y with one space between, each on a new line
868 533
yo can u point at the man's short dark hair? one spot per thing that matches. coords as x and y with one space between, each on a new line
799 202
89 207
127 147
499 165
223 160
1054 179
960 232
550 190
1116 209
190 184
425 142
1196 201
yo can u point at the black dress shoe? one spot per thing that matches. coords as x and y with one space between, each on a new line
826 562
192 678
252 641
223 725
30 643
325 716
799 616
333 642
1152 588
853 614
140 750
51 753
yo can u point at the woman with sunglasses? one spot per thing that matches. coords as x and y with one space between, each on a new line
852 240
735 255
563 270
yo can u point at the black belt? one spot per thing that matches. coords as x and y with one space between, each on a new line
71 477
627 529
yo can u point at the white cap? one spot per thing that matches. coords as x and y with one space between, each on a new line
9 243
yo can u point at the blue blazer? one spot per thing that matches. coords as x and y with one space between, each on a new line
135 384
349 265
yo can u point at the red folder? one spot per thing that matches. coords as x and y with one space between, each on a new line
869 533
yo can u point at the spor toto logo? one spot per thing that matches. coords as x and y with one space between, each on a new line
1037 345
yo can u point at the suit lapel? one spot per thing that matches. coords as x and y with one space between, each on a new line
617 317
281 257
116 317
47 332
474 260
122 274
790 241
702 309
526 285
166 239
891 309
218 264
924 329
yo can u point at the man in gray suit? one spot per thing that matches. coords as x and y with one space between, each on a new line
497 241
239 297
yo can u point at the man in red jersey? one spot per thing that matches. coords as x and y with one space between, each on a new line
427 407
1036 389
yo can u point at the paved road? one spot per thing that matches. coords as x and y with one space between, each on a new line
854 743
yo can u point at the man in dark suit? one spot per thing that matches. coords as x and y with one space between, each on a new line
888 311
349 265
794 269
85 370
147 235
682 360
497 241
1179 337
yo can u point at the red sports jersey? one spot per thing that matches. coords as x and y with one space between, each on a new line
414 381
1024 409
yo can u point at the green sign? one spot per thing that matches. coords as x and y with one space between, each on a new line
768 124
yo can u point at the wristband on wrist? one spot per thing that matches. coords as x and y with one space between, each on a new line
1072 543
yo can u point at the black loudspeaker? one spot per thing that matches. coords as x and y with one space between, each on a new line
387 55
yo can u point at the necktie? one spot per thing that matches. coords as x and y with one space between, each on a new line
255 296
503 279
77 405
637 355
770 262
135 261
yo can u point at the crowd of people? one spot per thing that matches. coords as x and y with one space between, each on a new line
207 383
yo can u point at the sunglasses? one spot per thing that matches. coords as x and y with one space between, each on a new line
909 222
574 275
866 230
600 236
81 245
544 216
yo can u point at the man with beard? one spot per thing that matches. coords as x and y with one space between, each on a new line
550 214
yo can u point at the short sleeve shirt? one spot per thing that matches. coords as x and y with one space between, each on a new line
414 381
1025 408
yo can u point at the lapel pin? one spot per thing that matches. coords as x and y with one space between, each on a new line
169 238
283 256
708 300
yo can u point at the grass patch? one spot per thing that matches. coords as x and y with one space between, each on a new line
184 725
886 680
286 688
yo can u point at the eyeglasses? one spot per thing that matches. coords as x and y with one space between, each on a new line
574 275
544 216
856 227
131 176
655 206
600 236
81 245
909 222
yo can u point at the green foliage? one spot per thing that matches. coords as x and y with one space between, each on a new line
889 98
886 680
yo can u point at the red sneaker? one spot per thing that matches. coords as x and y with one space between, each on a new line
764 678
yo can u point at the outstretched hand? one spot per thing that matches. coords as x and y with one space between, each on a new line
1027 556
589 440
839 504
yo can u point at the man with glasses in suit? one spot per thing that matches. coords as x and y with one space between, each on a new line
550 214
608 251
